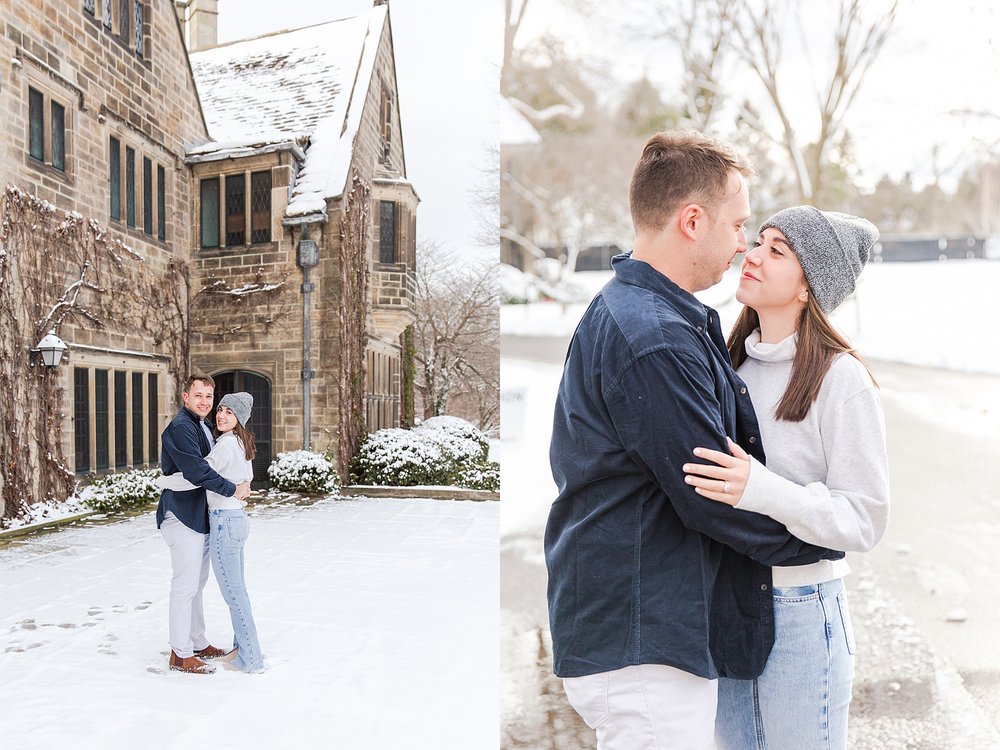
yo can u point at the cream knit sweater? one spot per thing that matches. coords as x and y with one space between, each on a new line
827 477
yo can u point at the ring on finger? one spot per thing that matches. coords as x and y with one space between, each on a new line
725 488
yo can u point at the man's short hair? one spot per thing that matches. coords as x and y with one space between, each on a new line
679 167
206 379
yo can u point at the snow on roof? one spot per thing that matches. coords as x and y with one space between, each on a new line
284 86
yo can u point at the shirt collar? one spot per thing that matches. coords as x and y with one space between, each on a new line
641 274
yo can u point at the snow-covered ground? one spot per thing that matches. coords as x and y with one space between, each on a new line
378 621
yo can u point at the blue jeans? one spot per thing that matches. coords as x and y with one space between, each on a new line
800 701
229 530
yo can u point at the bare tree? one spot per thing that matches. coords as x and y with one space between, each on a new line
457 337
513 17
856 45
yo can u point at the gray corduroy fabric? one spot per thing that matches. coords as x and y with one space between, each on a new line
239 404
832 248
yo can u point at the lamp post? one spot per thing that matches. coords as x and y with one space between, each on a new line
51 347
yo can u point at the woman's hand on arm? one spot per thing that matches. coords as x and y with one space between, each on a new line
724 479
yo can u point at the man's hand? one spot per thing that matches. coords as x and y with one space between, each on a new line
242 491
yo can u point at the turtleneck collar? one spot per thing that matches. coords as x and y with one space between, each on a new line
783 351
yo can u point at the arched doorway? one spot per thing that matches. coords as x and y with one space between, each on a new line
260 417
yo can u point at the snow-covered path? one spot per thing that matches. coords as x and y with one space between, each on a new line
378 620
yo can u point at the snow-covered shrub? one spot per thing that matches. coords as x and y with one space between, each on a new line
122 491
458 428
304 471
442 451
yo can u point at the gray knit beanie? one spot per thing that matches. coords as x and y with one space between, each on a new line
832 248
239 404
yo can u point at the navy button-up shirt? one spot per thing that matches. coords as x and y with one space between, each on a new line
643 570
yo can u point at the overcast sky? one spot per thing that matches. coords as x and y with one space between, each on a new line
447 65
941 57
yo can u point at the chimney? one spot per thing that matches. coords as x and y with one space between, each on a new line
200 22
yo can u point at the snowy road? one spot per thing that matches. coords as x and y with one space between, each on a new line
928 671
377 619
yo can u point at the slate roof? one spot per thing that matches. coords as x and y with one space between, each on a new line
308 86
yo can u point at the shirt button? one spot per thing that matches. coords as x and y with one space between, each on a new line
743 391
763 587
753 439
699 329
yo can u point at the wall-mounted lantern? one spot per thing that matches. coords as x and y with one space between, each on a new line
51 347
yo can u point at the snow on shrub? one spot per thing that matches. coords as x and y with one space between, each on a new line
441 451
304 471
122 491
456 427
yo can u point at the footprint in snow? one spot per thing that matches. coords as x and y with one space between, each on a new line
144 605
119 608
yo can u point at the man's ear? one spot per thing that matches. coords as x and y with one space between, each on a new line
689 219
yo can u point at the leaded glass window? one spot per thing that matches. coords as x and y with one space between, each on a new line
260 206
137 404
81 419
147 195
130 186
115 162
236 221
387 232
58 136
88 5
106 14
36 124
101 418
121 421
161 202
210 212
153 417
138 28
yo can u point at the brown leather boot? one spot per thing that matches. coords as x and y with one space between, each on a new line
189 664
209 652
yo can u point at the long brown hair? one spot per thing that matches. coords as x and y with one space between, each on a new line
246 437
819 343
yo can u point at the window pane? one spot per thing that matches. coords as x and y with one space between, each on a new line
387 232
101 418
88 5
236 210
161 202
123 19
106 13
81 419
130 186
153 419
137 404
115 160
210 212
121 423
147 195
58 136
260 207
138 27
36 124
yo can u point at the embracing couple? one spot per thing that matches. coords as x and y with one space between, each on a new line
709 488
206 481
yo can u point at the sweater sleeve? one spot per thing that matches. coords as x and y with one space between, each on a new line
176 481
181 443
849 511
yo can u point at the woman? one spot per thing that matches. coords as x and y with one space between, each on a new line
230 457
826 477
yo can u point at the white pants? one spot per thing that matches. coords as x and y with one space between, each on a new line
189 560
647 707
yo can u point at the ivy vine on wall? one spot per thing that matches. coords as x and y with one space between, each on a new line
62 272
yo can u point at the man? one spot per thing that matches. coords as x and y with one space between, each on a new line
182 518
654 592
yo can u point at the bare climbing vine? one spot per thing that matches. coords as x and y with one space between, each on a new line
354 281
62 272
